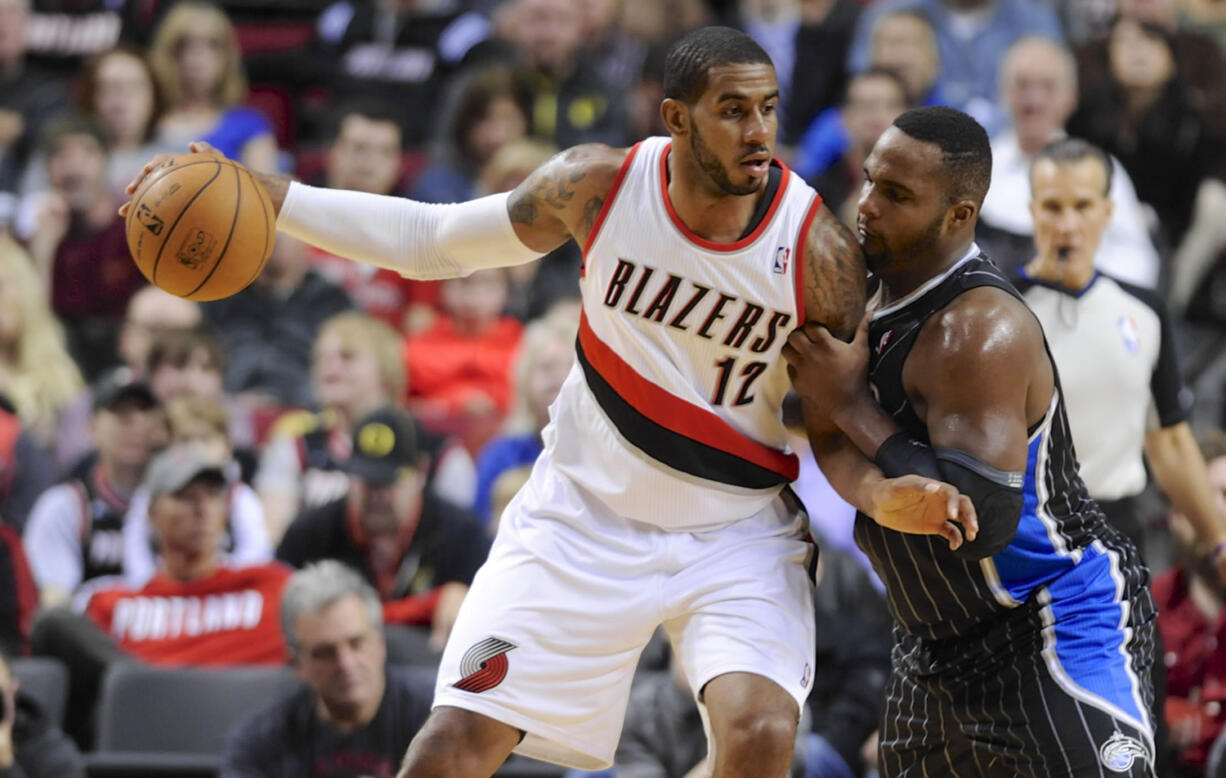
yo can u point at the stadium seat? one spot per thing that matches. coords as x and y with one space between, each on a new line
175 721
46 681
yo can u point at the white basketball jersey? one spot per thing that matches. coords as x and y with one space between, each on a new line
671 415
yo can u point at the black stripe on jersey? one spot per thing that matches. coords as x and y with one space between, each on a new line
672 448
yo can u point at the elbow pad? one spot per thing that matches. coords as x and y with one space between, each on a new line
996 494
425 241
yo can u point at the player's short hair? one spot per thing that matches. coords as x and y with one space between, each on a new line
966 152
690 60
1070 151
320 585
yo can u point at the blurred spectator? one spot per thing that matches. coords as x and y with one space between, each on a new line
75 530
36 374
221 615
971 34
353 713
269 327
244 540
1207 17
459 368
1146 115
31 744
198 66
775 26
545 358
901 41
1038 84
18 598
190 364
419 552
1190 598
643 97
402 51
873 99
660 22
570 102
118 90
820 72
485 111
64 34
358 368
28 96
25 469
616 54
365 156
78 243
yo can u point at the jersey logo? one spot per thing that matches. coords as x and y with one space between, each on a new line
484 665
1128 331
782 255
806 677
886 337
1120 751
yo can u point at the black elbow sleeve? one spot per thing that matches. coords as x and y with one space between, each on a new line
902 454
996 494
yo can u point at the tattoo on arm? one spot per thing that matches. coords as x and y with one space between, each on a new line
591 210
548 202
835 276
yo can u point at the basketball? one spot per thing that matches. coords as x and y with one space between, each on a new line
201 227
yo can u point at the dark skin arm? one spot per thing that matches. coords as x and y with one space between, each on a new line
834 305
978 376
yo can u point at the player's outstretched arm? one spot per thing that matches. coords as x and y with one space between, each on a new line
834 285
429 241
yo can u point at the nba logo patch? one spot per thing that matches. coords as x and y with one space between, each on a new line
782 255
885 341
1128 332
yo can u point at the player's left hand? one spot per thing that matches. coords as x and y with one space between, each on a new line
195 147
920 506
826 371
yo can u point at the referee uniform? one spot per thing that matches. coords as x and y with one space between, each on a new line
1033 662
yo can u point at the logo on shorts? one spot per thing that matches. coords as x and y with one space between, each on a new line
808 676
484 665
1120 751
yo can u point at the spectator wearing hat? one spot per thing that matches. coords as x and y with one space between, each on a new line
352 713
75 529
418 551
195 610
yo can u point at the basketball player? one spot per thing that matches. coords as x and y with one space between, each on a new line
1031 655
661 495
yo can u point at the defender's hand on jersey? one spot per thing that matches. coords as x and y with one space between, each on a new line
826 371
921 506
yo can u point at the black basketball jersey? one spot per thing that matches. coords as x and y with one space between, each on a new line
933 593
101 532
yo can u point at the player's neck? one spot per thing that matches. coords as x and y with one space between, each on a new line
706 210
919 270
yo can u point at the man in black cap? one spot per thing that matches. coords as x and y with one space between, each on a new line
75 529
418 551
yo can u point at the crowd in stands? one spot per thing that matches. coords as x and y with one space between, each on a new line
310 472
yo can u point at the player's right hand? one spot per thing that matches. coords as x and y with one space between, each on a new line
921 506
195 147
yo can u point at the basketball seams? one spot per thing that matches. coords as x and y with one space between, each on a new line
158 259
265 204
238 203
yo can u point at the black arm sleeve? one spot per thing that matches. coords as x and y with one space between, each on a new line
996 494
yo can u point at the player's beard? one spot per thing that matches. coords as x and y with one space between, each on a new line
711 165
885 259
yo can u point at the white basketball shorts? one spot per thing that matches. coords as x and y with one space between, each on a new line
548 638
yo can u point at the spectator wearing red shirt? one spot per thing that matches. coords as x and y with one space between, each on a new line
78 242
460 367
1193 625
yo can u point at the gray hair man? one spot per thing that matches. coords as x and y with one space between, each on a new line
350 709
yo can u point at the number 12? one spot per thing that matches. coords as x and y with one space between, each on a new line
749 373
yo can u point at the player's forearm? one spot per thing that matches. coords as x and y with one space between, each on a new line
849 472
865 424
418 240
1178 467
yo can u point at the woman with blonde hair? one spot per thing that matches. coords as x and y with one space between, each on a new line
358 368
198 66
37 375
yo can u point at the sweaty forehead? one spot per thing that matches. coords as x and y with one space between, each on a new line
755 80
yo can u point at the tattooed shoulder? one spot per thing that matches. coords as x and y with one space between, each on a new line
569 189
835 276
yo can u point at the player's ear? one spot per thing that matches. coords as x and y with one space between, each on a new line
676 116
962 214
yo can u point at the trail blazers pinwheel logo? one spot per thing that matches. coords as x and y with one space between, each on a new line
484 665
